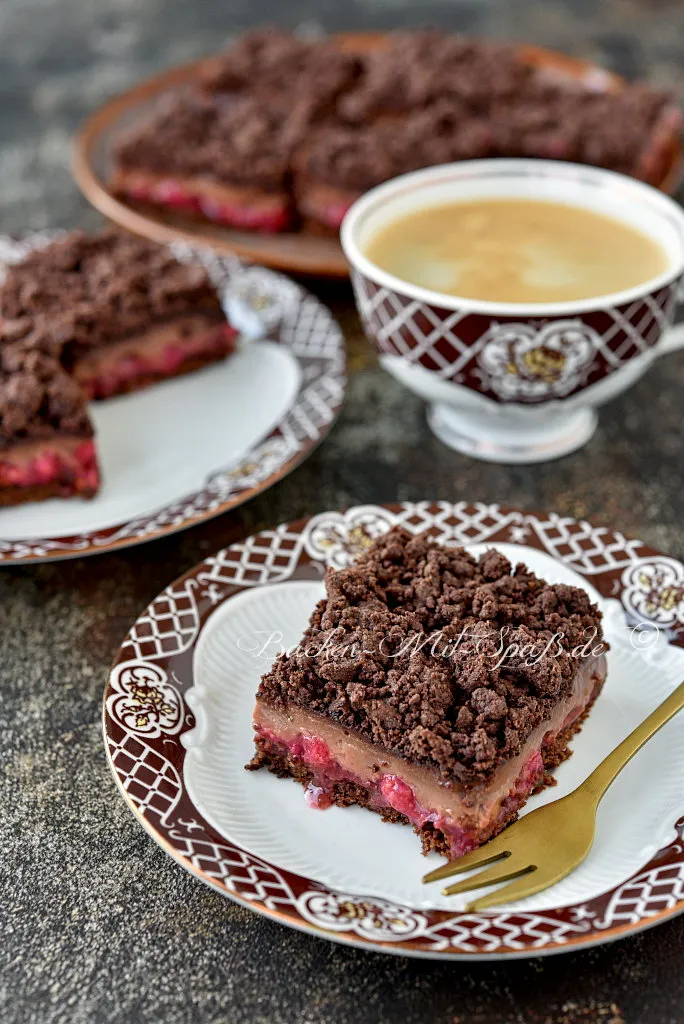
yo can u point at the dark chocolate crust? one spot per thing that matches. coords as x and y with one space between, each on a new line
445 659
10 496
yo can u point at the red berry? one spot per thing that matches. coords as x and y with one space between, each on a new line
398 795
45 467
316 750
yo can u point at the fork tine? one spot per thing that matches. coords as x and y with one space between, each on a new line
502 871
495 848
527 885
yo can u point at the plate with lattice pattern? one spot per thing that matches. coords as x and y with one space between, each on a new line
177 719
195 446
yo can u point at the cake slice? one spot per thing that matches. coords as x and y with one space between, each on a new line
338 162
120 312
46 438
631 131
432 687
225 159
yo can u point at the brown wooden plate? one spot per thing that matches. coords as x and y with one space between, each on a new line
296 252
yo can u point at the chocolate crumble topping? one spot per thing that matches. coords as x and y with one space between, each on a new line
94 289
38 399
236 141
283 69
420 68
359 157
425 651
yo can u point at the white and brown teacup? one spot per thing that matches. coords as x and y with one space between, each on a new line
509 381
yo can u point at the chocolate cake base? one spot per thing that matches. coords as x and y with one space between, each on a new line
346 794
40 492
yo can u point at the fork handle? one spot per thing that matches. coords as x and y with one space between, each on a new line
602 776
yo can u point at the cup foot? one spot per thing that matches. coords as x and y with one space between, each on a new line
490 439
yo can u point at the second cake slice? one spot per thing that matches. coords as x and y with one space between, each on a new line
123 312
90 317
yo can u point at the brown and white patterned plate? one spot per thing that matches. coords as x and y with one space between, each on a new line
177 722
190 448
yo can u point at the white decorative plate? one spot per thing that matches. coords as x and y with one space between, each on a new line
190 448
178 727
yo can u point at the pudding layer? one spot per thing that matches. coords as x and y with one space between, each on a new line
453 815
232 206
59 467
164 350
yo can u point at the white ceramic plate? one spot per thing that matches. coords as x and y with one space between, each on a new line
178 727
192 447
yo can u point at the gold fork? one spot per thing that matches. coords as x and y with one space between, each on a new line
551 841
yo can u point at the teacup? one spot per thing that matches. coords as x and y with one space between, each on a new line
512 382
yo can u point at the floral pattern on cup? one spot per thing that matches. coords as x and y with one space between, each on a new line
524 363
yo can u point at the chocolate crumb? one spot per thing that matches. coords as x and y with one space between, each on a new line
283 69
237 141
93 289
461 658
38 399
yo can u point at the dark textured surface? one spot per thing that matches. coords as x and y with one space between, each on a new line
96 924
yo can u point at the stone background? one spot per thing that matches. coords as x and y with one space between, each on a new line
96 923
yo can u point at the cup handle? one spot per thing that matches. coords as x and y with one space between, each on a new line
672 339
